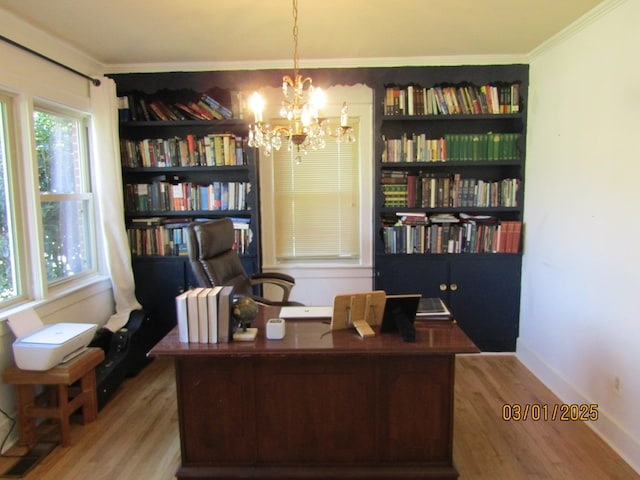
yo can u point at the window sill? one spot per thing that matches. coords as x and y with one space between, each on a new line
59 298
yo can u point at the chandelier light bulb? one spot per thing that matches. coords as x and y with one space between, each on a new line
318 99
257 104
344 116
305 117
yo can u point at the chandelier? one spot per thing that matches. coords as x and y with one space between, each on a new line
301 105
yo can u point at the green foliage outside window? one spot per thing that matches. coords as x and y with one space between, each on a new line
63 221
65 202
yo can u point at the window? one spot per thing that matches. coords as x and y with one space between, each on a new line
317 203
9 280
65 197
316 217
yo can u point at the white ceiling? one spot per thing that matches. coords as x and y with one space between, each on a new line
131 32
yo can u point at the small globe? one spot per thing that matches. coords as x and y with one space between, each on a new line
245 310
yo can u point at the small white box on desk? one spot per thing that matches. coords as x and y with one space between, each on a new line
275 329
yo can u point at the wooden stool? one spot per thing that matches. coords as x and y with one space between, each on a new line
63 400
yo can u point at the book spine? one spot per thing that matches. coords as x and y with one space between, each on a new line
226 113
225 322
182 319
192 315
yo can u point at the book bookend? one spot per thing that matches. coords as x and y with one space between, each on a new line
358 310
244 311
248 335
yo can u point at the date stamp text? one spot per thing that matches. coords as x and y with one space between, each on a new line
542 412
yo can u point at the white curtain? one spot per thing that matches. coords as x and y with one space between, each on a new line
108 190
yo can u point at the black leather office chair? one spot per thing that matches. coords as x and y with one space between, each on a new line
215 262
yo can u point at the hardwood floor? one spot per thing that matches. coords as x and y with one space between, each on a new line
136 433
487 447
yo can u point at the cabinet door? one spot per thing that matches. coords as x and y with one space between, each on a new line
482 291
398 274
484 297
158 281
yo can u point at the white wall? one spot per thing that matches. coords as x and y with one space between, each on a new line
579 329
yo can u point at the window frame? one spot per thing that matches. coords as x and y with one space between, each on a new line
14 211
360 101
296 172
32 287
86 194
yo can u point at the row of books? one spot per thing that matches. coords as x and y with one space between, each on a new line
466 99
215 149
473 147
429 190
168 237
466 236
164 196
204 315
202 107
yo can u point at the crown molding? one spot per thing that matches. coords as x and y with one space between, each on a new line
319 63
576 27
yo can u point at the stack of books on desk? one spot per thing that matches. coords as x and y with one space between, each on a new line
204 315
433 309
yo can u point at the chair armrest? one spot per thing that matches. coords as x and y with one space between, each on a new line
283 281
275 275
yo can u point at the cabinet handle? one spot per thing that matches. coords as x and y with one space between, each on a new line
454 287
443 287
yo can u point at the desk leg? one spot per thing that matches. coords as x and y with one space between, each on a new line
26 423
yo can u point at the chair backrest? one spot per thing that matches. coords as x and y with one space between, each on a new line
212 257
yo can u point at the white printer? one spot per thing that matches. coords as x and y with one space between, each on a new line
41 347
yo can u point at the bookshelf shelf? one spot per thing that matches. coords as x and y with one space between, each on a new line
471 117
192 170
450 164
228 123
453 210
188 214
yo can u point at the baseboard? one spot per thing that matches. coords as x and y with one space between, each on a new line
607 427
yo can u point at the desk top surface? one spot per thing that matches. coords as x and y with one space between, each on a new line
314 336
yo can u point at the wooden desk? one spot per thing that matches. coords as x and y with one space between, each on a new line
66 399
318 404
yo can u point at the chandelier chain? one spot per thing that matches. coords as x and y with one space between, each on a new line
295 38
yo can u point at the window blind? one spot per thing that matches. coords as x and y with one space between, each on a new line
317 203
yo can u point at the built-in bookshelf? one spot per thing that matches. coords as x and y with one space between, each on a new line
184 158
450 189
450 150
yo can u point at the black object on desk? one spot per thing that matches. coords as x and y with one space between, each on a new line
399 315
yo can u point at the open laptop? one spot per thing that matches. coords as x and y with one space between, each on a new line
298 311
